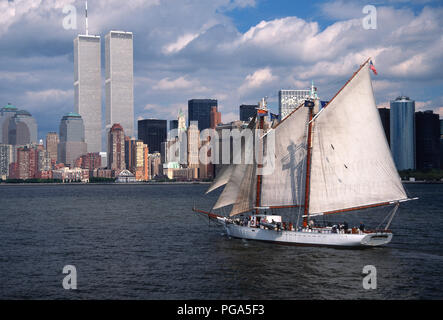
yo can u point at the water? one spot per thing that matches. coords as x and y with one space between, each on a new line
143 242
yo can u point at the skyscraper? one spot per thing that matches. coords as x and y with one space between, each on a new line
88 88
52 142
22 129
193 146
200 110
6 113
116 148
385 120
427 128
402 131
247 111
72 139
288 100
119 84
152 132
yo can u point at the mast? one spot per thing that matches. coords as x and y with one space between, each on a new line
308 169
262 109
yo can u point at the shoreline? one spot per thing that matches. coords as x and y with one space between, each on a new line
103 183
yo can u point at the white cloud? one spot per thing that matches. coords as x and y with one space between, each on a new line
257 79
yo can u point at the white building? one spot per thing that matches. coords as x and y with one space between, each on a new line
119 83
288 100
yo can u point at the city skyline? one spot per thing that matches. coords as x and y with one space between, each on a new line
179 57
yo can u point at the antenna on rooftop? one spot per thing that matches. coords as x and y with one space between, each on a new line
87 33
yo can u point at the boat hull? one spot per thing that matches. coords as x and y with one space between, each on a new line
305 238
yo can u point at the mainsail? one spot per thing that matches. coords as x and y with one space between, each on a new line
284 186
352 166
222 178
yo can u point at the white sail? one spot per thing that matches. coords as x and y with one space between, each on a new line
232 188
285 185
247 193
222 178
352 164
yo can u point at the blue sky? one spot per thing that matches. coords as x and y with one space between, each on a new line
236 51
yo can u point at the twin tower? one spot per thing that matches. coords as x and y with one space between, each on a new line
119 84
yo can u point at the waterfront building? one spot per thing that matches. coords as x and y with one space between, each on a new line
129 153
125 176
22 129
104 156
427 128
200 110
385 120
88 88
101 173
247 111
71 175
152 132
6 158
288 100
119 83
116 148
402 132
52 141
26 165
141 163
6 113
90 161
72 139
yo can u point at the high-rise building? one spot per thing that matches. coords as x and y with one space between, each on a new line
152 132
288 100
402 132
22 129
247 111
116 148
173 124
155 165
385 120
26 165
200 110
52 142
129 153
141 161
6 158
215 117
88 88
6 113
119 84
427 133
72 139
90 161
193 146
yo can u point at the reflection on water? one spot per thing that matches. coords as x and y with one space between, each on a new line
143 242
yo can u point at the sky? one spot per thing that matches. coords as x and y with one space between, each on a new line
236 51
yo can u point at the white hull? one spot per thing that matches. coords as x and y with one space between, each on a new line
308 238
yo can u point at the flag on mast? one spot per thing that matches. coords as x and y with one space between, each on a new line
371 66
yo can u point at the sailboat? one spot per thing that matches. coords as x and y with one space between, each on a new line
329 160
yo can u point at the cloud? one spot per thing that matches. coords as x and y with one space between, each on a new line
257 80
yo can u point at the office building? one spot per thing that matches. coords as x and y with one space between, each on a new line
6 158
119 83
402 132
116 148
90 161
88 88
52 141
173 124
155 165
152 132
427 133
22 129
200 110
288 100
141 164
385 120
72 139
247 111
6 113
215 117
193 145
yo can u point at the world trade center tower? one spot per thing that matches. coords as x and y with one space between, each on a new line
88 88
119 83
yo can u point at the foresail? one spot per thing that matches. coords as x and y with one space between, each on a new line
232 188
351 163
285 185
222 178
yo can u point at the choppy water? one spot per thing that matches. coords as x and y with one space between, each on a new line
143 242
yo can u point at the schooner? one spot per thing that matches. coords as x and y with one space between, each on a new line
326 161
